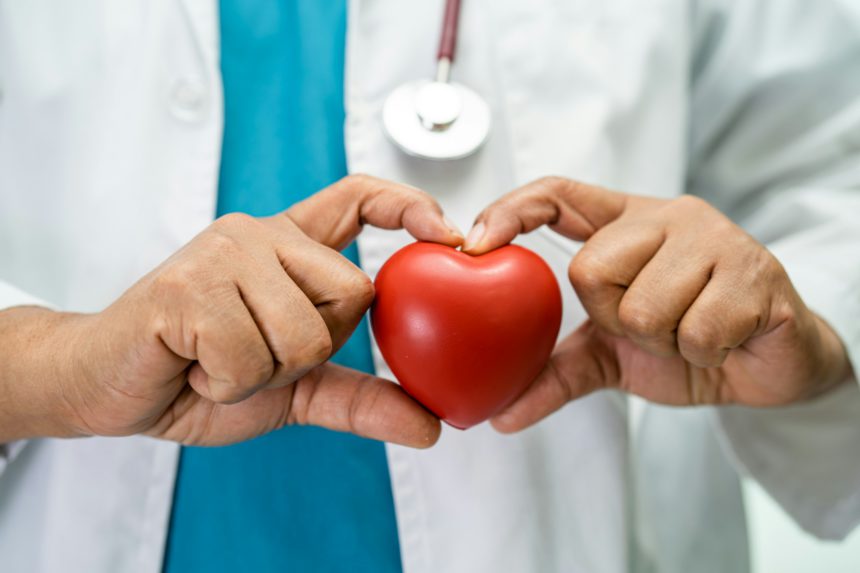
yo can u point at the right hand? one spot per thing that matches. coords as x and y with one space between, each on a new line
228 339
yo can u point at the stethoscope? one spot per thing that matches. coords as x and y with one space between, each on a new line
438 119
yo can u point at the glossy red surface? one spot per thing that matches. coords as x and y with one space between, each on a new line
465 335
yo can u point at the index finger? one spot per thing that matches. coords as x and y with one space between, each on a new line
335 215
574 209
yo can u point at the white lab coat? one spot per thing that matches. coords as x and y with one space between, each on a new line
110 130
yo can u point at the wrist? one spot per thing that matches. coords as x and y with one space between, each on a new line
36 368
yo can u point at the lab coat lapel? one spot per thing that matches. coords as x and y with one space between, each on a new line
202 17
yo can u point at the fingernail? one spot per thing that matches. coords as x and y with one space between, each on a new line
452 226
475 236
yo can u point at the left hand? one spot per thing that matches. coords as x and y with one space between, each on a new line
685 307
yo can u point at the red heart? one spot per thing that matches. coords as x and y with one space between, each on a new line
465 335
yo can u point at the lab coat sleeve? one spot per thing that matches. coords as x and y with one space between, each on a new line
775 144
9 297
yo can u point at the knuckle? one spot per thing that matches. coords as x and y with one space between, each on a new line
241 380
641 320
700 337
418 199
690 203
225 392
312 350
257 370
360 183
181 280
767 267
352 290
359 292
587 272
709 220
358 179
550 182
787 316
319 347
248 364
722 229
315 350
235 222
221 244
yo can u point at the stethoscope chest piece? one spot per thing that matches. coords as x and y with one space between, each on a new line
436 120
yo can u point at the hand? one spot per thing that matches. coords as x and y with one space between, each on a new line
227 339
685 307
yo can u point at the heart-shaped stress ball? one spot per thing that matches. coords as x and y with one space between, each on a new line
465 335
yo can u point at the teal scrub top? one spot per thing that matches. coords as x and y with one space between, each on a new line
299 499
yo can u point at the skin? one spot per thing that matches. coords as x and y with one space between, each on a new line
685 308
227 339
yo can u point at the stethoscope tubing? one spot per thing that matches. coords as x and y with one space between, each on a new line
450 27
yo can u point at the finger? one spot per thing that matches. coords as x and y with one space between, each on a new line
300 275
295 332
233 357
342 399
723 317
341 292
608 264
581 364
335 215
652 306
576 210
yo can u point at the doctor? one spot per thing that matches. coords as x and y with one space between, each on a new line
117 150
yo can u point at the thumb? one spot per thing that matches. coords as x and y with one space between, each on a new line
346 400
575 210
582 363
335 215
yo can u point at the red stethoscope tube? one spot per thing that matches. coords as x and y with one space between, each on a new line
448 41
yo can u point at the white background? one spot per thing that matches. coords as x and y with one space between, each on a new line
779 546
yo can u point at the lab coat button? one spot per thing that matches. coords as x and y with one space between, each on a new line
188 100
